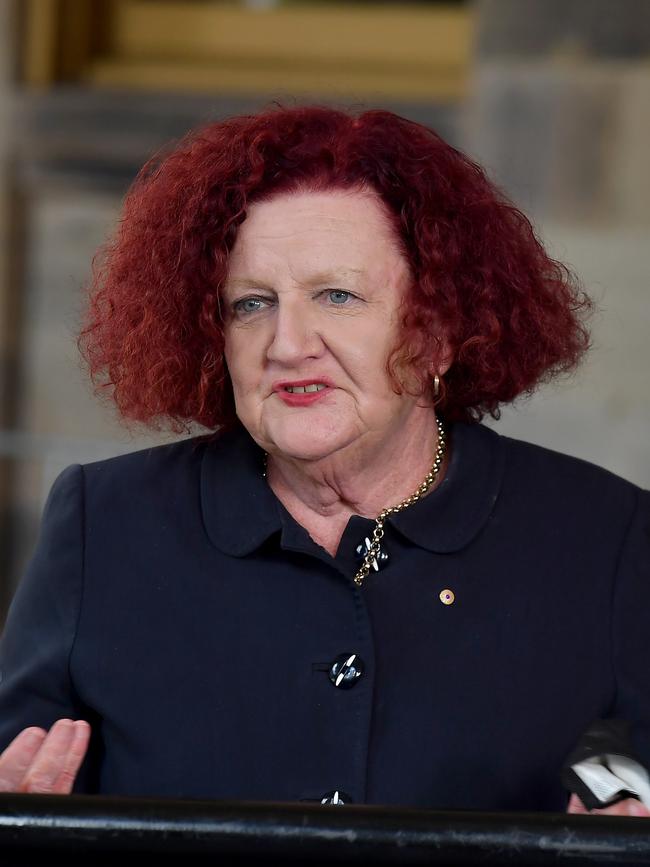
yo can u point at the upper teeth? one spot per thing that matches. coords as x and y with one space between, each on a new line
300 389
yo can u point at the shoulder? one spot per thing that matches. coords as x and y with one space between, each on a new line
565 484
176 471
543 462
168 456
134 480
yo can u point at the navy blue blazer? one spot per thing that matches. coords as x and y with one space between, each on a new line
175 604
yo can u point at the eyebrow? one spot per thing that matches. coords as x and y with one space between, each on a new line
317 279
244 283
333 276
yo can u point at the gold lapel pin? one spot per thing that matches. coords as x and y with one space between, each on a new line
447 597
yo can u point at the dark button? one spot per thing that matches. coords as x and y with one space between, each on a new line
377 562
337 798
346 670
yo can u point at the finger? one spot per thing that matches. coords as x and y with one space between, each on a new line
65 781
627 807
576 805
18 756
636 808
50 759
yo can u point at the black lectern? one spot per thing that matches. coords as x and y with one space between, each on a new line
45 830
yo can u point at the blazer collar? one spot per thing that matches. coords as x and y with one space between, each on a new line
452 515
240 511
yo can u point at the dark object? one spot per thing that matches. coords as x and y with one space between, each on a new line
336 799
380 561
48 830
604 738
346 670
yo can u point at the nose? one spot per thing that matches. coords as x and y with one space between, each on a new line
295 335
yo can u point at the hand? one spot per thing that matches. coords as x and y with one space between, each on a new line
628 807
45 762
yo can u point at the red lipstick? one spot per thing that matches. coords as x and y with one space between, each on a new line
302 398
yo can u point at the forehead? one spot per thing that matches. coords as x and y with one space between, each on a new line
347 232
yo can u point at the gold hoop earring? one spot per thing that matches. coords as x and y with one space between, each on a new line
436 385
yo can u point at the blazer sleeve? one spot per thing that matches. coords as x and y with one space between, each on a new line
35 685
631 630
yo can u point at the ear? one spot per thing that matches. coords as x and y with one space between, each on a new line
444 358
438 366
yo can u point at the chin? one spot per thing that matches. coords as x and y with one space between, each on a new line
307 441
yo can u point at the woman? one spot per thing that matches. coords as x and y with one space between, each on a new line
244 615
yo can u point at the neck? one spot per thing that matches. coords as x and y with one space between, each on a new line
322 495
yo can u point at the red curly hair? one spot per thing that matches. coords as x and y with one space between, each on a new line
154 336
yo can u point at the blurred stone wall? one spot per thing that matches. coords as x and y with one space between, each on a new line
8 292
560 117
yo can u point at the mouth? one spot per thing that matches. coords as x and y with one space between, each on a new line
304 389
302 386
302 392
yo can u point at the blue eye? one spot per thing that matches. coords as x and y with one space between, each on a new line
248 305
338 296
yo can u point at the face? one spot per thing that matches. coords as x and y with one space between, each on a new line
312 308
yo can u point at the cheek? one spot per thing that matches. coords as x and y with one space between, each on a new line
239 358
229 357
367 356
245 368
